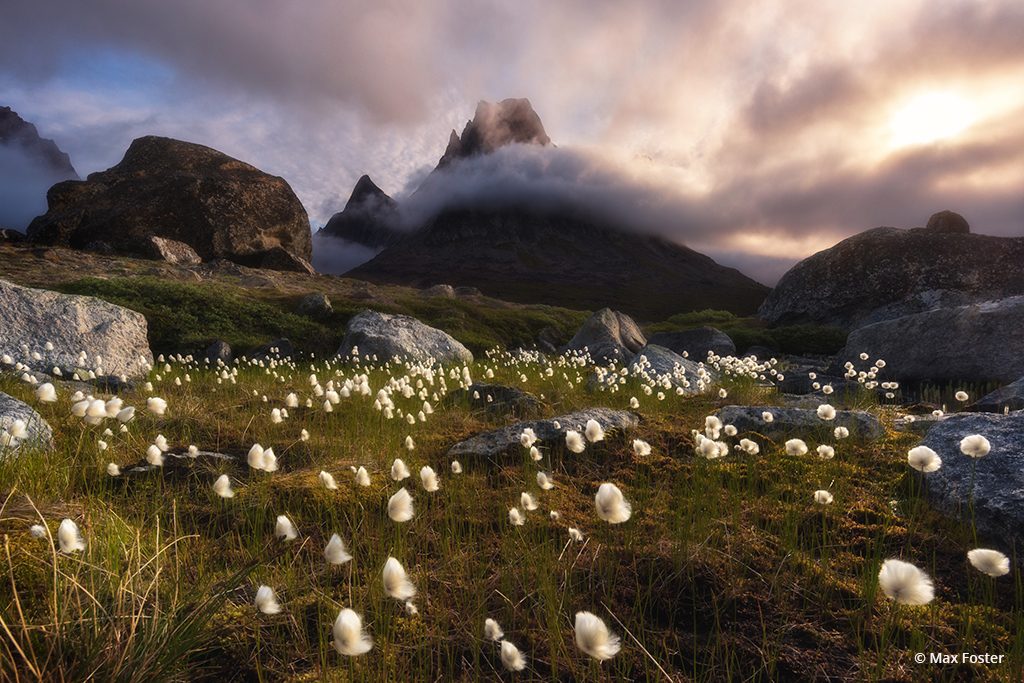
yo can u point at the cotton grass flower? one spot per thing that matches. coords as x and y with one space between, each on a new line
574 442
362 477
515 517
396 582
611 505
767 417
796 447
334 551
156 405
429 479
826 452
535 454
527 501
284 529
641 448
113 469
544 481
327 479
349 638
905 583
841 432
222 487
492 630
69 538
527 437
266 600
45 393
456 467
975 446
991 562
154 456
399 470
594 431
594 638
923 459
400 508
749 447
37 531
826 412
511 658
822 497
962 396
575 534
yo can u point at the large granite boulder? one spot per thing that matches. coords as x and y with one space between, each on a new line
496 399
1008 398
608 336
800 422
696 343
29 318
549 432
388 336
219 206
658 364
998 478
904 271
974 343
37 430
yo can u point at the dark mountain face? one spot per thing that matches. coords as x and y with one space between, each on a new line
369 218
496 125
29 165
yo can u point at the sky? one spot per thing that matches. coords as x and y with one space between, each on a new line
757 132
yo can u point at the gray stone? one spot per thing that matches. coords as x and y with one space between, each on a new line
948 221
442 291
696 343
657 363
278 348
976 343
182 463
497 399
549 432
388 336
38 430
998 477
31 317
218 351
172 251
608 336
918 424
315 304
800 422
1010 397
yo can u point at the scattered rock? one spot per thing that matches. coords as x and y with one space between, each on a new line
800 422
38 432
315 304
1010 397
73 324
657 362
279 348
998 477
172 251
388 336
609 336
221 207
696 343
176 464
550 432
917 424
948 221
497 399
442 291
976 343
218 351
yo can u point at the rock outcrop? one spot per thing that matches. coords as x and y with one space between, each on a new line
800 422
887 272
37 431
219 206
608 336
1008 398
997 478
549 432
495 125
113 339
172 251
975 343
696 343
658 363
387 336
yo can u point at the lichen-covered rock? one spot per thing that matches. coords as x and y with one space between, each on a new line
1009 398
37 431
386 336
608 336
497 399
657 363
800 422
172 251
316 304
696 343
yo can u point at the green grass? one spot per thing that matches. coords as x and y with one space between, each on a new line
727 569
748 332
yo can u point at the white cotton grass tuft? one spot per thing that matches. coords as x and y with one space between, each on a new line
641 448
400 508
511 658
284 529
335 552
796 447
990 562
266 600
362 477
515 517
69 538
575 534
975 446
826 412
527 501
594 431
45 393
456 467
766 416
492 630
327 479
156 405
349 638
527 437
822 497
594 638
611 505
923 459
429 479
841 432
544 481
962 396
37 531
222 487
826 452
154 456
574 442
905 583
411 609
396 583
535 454
113 469
399 470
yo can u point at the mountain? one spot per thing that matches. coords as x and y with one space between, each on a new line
368 218
562 254
29 165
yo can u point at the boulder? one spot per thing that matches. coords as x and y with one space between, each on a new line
172 251
218 351
278 348
72 324
550 432
696 343
801 423
998 478
904 271
219 206
315 304
975 343
497 399
442 291
1009 398
182 464
388 336
608 336
658 363
38 432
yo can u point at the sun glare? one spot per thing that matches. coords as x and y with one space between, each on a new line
930 117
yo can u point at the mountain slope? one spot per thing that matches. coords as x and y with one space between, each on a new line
368 218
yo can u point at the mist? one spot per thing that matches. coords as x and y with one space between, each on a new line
23 187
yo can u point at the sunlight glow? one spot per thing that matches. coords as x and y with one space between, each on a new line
930 117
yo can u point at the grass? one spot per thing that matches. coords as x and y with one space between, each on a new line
749 331
726 571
